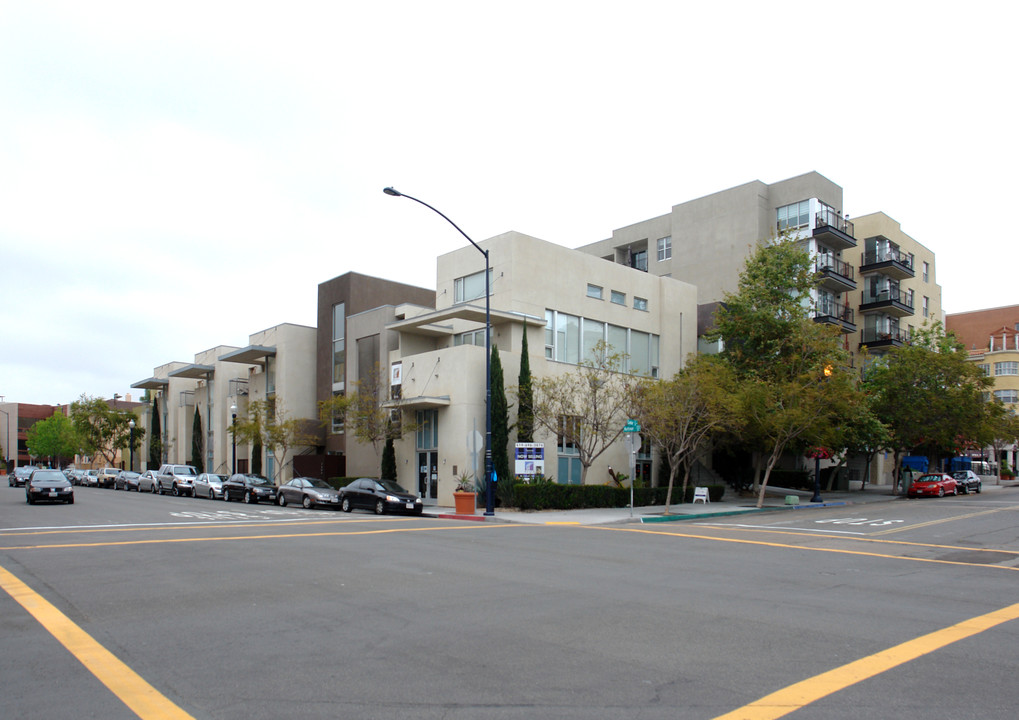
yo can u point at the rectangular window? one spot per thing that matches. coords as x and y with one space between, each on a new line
270 375
473 337
619 298
593 291
549 334
1009 397
1006 368
926 272
639 303
616 339
791 217
985 368
640 353
337 418
567 338
664 248
427 435
339 344
638 260
926 306
567 444
594 332
470 287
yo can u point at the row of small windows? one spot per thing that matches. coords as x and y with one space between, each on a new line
1010 397
619 298
1010 367
570 339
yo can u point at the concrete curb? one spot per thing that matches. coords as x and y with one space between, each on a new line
729 513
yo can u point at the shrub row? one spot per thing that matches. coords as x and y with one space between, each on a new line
552 496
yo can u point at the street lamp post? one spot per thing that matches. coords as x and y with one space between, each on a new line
489 489
233 435
131 445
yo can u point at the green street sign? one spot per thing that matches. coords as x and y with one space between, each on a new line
631 426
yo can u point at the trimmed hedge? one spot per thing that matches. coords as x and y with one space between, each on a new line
552 496
342 482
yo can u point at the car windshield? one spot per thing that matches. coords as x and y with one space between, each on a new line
258 480
929 478
183 470
960 475
47 476
391 486
220 478
317 483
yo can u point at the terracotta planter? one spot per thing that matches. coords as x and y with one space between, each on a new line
464 502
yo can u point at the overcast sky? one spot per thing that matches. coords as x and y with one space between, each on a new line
177 176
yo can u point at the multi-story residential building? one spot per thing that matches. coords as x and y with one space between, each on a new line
870 288
992 338
566 301
173 396
352 344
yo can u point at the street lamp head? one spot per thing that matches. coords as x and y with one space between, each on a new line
131 424
392 191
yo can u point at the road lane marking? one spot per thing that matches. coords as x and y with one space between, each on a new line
943 520
146 702
792 698
786 546
154 541
133 527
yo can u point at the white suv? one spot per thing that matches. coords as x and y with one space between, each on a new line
177 479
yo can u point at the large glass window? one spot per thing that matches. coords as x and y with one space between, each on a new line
1009 397
470 287
568 451
339 343
1006 368
638 260
616 339
567 338
427 436
640 353
794 216
474 337
549 334
594 332
337 418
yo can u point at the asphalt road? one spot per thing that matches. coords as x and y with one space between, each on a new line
179 607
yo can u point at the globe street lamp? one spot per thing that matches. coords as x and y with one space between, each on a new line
131 425
489 490
233 435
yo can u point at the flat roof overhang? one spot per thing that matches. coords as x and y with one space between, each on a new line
199 372
422 402
152 383
434 323
250 355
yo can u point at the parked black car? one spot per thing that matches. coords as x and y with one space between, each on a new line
967 481
250 488
379 495
50 485
309 492
126 480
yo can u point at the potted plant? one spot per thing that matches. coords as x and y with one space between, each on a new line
1006 472
464 497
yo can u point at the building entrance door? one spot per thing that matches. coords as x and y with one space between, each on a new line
428 476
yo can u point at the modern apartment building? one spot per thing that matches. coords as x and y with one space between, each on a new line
566 301
992 338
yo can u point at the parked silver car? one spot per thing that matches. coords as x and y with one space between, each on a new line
148 482
209 485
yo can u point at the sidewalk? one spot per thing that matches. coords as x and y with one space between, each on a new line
730 504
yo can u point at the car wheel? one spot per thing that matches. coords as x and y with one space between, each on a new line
345 505
380 507
249 499
175 491
978 487
70 500
941 492
308 504
282 500
226 496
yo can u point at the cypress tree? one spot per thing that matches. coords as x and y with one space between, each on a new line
256 457
197 445
388 470
500 428
155 437
525 395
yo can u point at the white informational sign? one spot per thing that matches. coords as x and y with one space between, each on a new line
529 459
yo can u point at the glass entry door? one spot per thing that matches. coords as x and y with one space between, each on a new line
428 476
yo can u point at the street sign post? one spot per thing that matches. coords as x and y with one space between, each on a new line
632 433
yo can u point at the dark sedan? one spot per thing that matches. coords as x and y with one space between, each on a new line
49 485
379 495
249 488
967 481
127 480
309 492
20 476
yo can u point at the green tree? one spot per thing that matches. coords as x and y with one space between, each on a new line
101 429
794 380
362 411
197 444
525 395
53 438
155 437
682 414
929 395
586 407
500 429
266 424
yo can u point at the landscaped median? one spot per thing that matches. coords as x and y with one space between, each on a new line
689 514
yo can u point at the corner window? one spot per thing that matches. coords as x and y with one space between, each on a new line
594 291
474 337
1009 397
339 344
664 248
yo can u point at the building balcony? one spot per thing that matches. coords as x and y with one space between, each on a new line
879 339
836 275
888 302
833 230
889 262
830 312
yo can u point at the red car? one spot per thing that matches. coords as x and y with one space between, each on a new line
933 485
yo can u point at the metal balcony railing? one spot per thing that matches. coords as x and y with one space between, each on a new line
830 217
895 296
829 263
873 257
872 335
